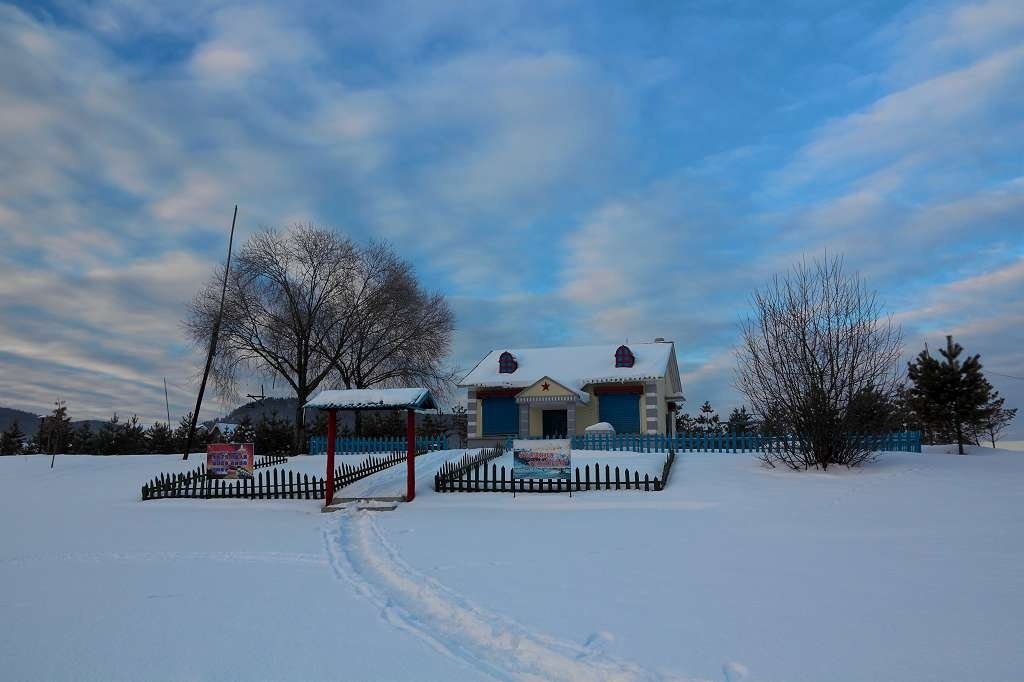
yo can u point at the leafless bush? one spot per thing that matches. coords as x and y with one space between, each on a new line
820 363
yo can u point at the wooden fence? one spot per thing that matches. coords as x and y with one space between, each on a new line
361 446
266 485
472 477
456 469
269 460
904 441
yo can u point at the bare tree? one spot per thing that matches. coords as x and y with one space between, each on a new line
395 333
819 363
285 312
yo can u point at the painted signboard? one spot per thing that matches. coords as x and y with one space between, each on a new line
229 460
541 459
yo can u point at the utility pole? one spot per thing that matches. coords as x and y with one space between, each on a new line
167 402
213 341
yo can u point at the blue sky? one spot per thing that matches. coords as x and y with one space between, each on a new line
565 172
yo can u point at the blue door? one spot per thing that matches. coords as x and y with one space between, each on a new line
621 410
501 416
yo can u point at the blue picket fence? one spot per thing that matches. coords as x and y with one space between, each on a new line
903 441
359 446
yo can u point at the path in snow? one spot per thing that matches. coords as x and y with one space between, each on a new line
103 557
488 642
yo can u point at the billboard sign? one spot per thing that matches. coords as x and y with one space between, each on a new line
541 459
229 460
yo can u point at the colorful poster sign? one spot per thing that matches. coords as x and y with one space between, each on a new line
229 460
541 459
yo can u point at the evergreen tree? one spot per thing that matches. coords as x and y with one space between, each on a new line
109 437
685 423
245 432
951 397
273 435
12 440
133 437
83 440
181 434
707 421
55 430
741 421
160 439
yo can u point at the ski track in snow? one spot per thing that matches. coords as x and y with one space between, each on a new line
103 557
488 642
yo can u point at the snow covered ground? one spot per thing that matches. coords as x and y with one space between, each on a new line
909 569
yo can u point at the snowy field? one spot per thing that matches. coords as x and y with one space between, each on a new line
910 569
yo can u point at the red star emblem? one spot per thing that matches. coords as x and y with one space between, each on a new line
545 386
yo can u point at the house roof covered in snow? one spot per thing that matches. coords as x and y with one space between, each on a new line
373 399
577 366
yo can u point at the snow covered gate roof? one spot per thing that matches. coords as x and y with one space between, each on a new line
373 399
577 366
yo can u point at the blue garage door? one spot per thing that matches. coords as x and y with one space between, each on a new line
501 416
621 410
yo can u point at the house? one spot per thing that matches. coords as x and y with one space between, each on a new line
217 430
561 391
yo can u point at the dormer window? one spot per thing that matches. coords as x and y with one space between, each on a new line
624 357
507 363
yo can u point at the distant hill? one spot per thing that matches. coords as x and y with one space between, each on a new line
28 422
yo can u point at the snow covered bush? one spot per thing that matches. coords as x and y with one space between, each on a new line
819 363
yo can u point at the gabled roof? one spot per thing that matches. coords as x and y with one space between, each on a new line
373 399
577 366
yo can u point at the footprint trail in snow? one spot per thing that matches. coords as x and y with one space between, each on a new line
488 642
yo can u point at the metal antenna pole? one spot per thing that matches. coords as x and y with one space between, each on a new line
213 341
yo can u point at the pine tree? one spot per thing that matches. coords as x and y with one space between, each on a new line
83 440
245 432
108 439
159 439
685 423
952 398
181 434
273 435
55 431
707 421
12 440
741 421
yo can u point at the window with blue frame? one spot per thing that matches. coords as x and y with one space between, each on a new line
500 416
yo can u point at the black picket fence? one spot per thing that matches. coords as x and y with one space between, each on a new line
346 473
472 477
458 468
266 485
269 460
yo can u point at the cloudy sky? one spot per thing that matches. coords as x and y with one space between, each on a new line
565 172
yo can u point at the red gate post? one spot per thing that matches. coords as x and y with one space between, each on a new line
332 427
410 444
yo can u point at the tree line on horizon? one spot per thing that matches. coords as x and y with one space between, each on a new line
271 434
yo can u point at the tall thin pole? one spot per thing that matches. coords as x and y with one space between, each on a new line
410 454
213 341
167 402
